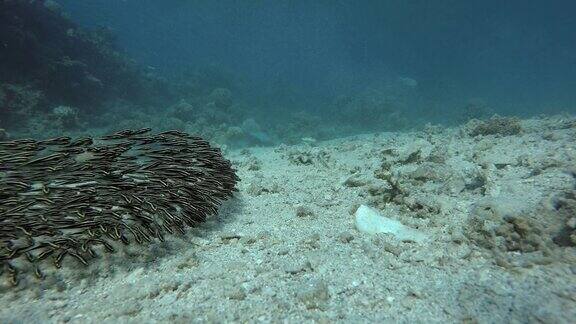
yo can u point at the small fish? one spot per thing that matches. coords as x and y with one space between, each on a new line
48 158
126 133
176 133
85 141
59 258
63 140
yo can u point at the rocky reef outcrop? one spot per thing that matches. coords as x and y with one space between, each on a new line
46 61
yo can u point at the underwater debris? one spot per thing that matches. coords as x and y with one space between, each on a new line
66 198
369 220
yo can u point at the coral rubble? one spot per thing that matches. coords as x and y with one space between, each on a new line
496 125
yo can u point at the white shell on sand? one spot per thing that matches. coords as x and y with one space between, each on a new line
370 221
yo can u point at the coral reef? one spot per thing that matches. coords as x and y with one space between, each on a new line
57 77
69 198
17 103
184 110
48 61
66 116
221 98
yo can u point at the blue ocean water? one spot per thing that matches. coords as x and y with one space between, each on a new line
515 56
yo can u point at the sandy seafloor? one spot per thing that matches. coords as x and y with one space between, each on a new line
286 249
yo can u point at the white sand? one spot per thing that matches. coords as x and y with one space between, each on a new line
286 250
